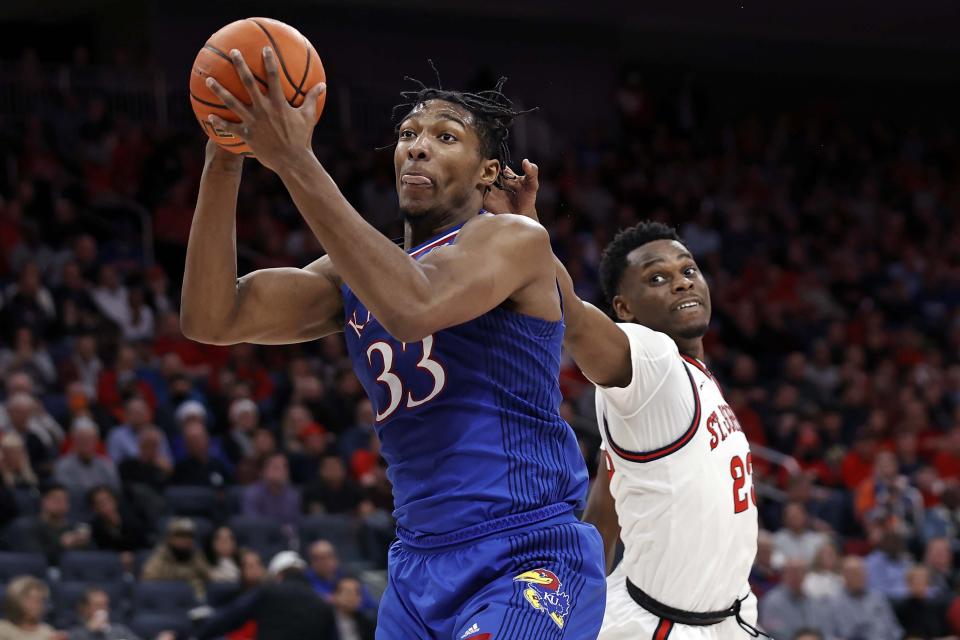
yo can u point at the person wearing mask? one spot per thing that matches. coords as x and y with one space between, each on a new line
24 605
284 607
824 580
177 558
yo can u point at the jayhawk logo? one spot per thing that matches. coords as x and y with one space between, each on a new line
544 594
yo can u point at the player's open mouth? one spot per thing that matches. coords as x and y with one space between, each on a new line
416 180
687 304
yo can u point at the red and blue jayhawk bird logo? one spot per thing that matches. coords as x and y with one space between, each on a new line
544 594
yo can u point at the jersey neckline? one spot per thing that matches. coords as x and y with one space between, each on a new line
442 235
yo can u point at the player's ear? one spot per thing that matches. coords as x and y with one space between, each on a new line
489 170
622 310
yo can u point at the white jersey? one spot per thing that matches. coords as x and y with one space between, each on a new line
681 477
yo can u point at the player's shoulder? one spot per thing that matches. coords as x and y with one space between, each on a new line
516 228
650 340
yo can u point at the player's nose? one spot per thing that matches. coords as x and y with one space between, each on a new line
683 283
419 149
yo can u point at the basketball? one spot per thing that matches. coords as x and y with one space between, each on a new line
300 70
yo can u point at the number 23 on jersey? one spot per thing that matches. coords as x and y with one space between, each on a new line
395 386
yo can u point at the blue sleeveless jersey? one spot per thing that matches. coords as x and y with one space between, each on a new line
469 421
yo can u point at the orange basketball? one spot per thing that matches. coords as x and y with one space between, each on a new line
300 70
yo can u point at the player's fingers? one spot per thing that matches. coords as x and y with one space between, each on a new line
273 77
309 105
531 174
246 77
229 100
237 129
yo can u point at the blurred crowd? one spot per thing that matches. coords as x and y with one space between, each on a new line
831 245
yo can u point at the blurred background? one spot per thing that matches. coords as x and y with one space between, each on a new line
808 153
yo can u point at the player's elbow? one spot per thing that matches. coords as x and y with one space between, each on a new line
201 330
407 326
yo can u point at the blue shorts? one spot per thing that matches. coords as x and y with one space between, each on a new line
540 582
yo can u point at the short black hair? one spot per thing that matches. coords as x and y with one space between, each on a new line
614 260
493 114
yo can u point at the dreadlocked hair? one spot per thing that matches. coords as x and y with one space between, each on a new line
492 110
613 262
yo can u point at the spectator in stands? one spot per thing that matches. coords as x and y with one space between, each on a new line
823 581
25 355
20 408
785 608
324 572
283 607
199 467
887 566
333 492
920 614
27 303
122 380
305 463
84 365
138 323
96 624
938 559
346 601
83 469
17 470
807 634
857 612
149 468
40 422
124 439
358 435
177 558
887 499
9 510
111 297
795 539
223 556
51 532
943 520
115 527
244 419
273 498
858 462
25 602
947 459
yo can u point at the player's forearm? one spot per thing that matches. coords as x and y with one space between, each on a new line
391 285
209 294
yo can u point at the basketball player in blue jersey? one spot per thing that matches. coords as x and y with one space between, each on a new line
456 338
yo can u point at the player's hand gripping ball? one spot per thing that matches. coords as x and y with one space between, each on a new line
296 66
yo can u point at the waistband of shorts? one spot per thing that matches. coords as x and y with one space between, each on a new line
551 514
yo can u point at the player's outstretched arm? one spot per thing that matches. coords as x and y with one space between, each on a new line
601 512
271 306
596 343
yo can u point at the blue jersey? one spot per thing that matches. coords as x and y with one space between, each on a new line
468 420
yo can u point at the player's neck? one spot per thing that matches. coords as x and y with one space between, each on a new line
692 347
416 231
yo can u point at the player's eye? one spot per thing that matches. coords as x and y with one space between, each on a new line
407 134
448 137
657 279
689 271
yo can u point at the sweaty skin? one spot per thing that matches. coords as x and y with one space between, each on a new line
441 178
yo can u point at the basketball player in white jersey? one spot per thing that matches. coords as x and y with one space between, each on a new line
678 488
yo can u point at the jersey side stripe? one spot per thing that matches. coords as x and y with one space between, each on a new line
656 454
436 243
663 629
